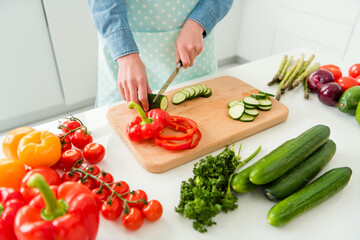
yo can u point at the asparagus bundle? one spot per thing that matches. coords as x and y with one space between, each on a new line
291 74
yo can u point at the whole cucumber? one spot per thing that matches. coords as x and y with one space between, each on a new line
310 196
289 154
302 174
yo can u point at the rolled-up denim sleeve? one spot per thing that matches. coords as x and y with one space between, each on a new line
209 12
110 19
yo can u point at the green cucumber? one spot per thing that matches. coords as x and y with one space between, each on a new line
246 118
289 154
236 111
301 174
161 102
309 197
207 93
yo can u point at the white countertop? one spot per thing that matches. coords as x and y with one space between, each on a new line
337 218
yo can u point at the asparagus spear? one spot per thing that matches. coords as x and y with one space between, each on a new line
276 77
285 68
306 65
305 74
299 66
283 81
306 90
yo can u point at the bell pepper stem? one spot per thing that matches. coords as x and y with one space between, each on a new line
1 209
141 112
54 208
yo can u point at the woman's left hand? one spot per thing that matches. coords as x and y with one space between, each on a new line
189 43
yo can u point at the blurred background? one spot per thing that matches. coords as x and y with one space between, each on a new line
48 48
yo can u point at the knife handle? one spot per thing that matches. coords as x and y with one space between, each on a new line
180 62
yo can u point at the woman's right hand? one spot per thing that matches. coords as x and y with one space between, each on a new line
132 81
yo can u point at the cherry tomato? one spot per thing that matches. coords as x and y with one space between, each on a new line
39 149
92 169
358 80
104 176
69 158
80 138
69 125
133 220
346 83
94 152
12 172
51 176
11 141
88 182
100 195
70 176
121 187
354 70
139 194
335 70
112 209
152 211
65 142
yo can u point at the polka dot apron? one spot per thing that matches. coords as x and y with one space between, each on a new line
155 25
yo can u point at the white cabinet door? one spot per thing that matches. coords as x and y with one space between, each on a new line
74 40
29 84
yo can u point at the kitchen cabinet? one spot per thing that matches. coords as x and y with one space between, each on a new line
29 84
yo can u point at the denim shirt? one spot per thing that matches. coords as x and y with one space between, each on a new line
110 18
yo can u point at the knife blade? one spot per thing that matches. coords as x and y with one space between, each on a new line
171 78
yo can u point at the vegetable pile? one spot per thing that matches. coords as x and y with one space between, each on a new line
154 125
208 192
47 170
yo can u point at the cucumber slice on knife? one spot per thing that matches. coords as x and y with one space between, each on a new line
161 102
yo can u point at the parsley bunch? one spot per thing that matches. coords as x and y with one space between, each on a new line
208 193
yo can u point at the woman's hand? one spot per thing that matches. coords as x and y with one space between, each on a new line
189 43
132 81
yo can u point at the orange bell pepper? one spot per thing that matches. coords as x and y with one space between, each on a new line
12 139
39 149
11 173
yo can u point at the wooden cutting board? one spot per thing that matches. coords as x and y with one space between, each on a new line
217 128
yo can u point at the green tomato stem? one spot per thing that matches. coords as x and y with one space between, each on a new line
54 208
141 112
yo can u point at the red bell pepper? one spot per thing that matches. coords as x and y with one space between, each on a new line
10 202
51 176
186 125
147 125
72 215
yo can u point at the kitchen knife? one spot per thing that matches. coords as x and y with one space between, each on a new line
171 78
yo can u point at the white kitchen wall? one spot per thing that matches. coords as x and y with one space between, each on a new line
272 26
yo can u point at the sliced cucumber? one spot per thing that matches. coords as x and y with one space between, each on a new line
267 94
235 112
246 118
191 91
197 89
259 96
250 106
252 112
264 108
186 92
265 102
207 93
161 102
233 103
251 101
178 98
